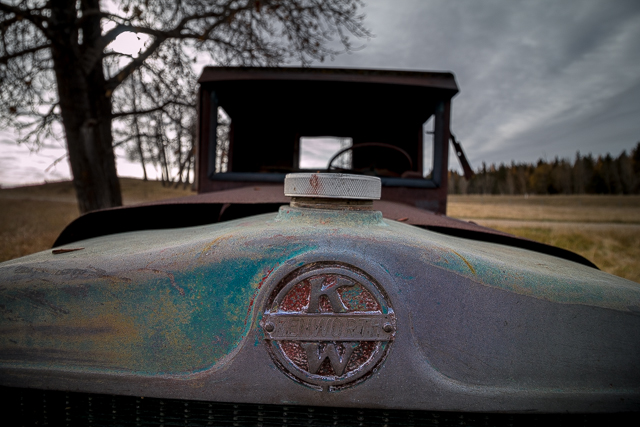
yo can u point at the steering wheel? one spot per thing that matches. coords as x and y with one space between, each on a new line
365 145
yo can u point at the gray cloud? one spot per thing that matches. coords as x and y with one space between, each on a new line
537 79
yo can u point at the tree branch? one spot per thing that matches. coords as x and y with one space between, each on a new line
150 110
5 58
40 21
56 161
113 53
160 37
97 12
115 81
41 125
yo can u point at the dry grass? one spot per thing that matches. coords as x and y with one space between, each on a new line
133 191
604 229
28 226
610 209
31 218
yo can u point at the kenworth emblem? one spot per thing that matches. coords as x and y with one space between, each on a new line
328 325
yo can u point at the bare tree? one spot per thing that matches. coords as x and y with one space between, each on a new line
58 73
161 132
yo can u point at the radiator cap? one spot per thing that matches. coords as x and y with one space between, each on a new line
332 186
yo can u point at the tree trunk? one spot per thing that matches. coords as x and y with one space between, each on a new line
136 129
186 176
140 150
85 107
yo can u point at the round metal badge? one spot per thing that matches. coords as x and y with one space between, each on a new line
328 325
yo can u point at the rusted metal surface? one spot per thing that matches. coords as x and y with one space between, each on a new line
323 203
457 148
184 313
269 95
443 81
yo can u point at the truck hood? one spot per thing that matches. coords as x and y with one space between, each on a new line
180 313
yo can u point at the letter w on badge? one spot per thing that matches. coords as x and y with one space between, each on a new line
316 354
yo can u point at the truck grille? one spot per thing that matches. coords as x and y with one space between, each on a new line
59 408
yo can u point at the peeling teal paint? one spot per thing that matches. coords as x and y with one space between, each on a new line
146 319
403 277
176 302
384 268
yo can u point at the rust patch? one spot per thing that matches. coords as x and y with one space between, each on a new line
358 298
297 299
264 278
213 243
315 184
295 353
473 270
362 354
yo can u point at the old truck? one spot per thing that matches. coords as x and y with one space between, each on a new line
291 293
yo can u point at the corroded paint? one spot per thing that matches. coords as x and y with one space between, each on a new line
512 269
177 302
163 312
473 270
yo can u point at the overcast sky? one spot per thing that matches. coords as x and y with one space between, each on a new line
538 79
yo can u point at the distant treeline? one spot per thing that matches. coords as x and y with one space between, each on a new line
586 175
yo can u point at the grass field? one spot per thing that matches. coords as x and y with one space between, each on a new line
604 229
31 218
